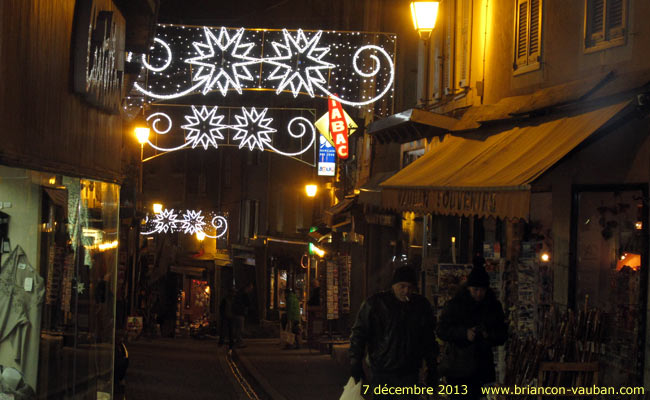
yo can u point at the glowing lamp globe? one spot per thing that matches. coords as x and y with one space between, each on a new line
311 190
142 134
424 14
200 235
157 208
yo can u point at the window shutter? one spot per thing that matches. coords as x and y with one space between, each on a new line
521 46
615 18
463 37
448 68
596 21
535 27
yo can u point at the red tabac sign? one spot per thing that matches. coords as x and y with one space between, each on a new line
338 128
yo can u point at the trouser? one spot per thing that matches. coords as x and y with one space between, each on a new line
238 328
226 326
384 385
464 388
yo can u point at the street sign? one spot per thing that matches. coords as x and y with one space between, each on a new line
326 158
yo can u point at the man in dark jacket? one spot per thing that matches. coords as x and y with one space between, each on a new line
398 329
472 322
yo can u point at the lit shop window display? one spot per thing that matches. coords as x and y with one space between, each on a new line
58 258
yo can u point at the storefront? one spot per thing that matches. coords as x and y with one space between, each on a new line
60 179
557 205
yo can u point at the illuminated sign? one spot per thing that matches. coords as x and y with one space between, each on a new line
188 222
338 128
188 60
326 158
99 55
323 126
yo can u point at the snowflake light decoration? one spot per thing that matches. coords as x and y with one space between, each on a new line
204 127
299 63
165 221
253 128
192 222
222 61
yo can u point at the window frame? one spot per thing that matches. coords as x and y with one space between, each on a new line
607 41
531 61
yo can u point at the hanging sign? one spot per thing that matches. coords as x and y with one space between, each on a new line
323 126
326 158
187 60
338 128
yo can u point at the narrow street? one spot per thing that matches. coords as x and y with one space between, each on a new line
179 369
187 368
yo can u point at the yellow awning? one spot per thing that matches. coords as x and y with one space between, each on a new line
462 175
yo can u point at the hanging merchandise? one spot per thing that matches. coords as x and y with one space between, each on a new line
346 269
21 299
332 290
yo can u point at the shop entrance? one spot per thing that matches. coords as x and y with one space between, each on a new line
609 255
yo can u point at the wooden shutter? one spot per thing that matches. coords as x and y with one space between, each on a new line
521 38
463 40
534 31
448 68
595 22
615 18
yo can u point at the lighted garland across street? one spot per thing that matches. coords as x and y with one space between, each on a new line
245 127
357 68
188 222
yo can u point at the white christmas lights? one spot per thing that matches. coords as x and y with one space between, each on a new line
312 63
222 61
166 64
190 222
253 129
154 124
299 62
204 127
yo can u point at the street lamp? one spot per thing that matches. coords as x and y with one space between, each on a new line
157 208
424 15
311 190
200 235
142 134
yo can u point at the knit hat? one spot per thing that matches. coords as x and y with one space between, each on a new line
405 274
478 277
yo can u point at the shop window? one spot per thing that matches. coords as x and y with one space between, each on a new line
609 248
528 34
63 250
605 23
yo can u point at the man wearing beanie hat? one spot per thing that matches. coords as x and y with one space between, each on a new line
397 328
471 323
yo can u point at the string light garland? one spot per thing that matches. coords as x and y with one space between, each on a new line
357 66
253 129
189 223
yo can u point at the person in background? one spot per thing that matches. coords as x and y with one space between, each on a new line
314 297
397 329
293 316
241 306
226 317
471 324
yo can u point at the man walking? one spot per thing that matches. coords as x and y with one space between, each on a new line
471 323
397 327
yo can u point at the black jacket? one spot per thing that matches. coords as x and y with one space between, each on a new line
398 335
462 313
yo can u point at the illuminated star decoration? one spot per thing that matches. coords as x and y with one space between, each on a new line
253 129
81 287
165 221
204 127
299 63
192 222
222 61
